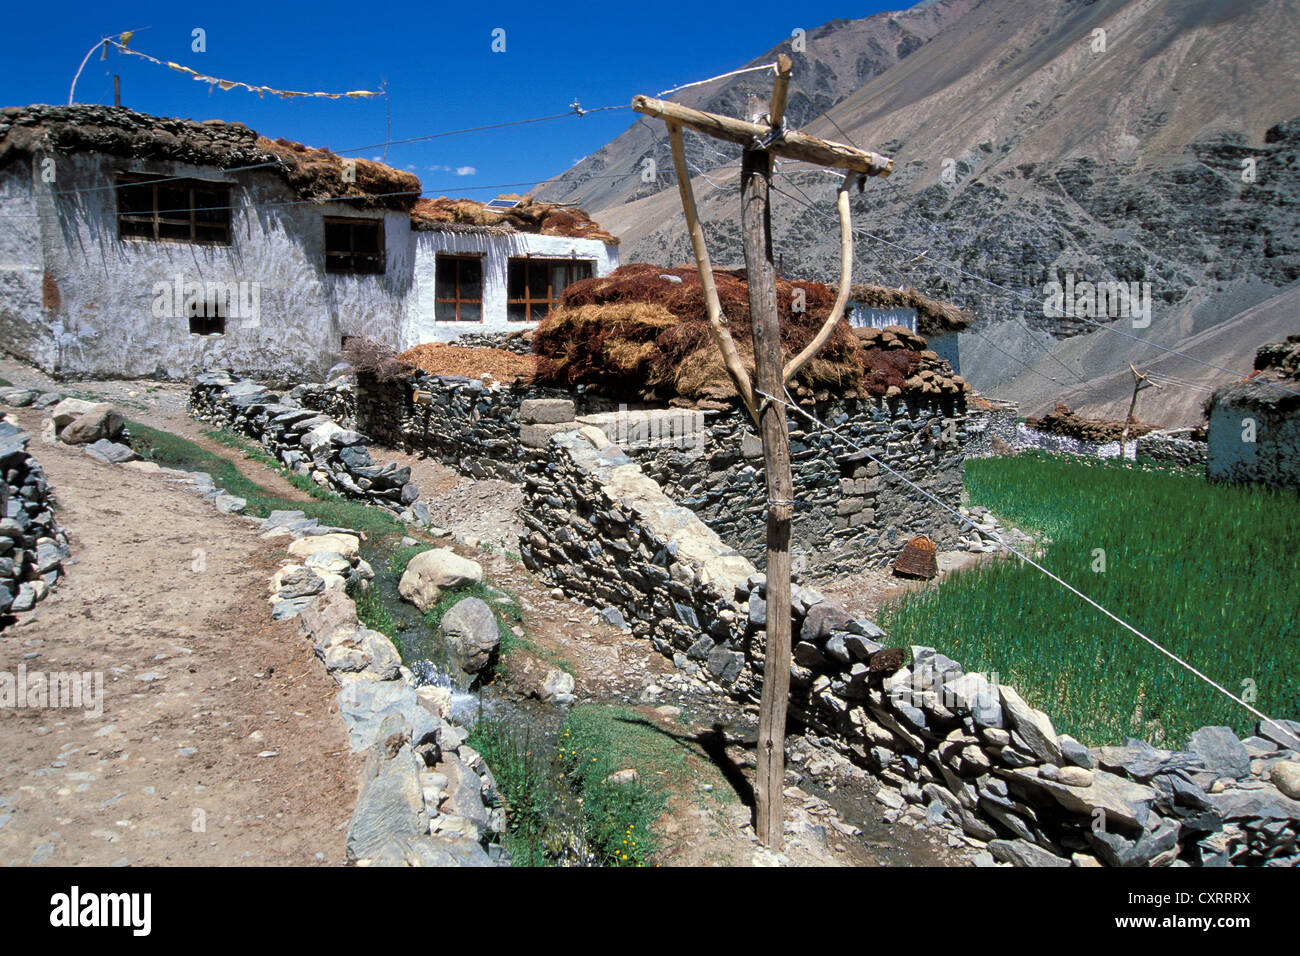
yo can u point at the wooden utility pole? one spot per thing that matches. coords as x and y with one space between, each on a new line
764 395
1140 381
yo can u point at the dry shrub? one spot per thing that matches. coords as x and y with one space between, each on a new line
370 357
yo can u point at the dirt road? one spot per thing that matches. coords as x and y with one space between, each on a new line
219 741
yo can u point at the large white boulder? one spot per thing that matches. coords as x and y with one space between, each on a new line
348 545
432 572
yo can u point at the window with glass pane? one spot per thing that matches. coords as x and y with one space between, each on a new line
534 286
174 210
458 289
354 245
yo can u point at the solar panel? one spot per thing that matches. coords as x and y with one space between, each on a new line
503 203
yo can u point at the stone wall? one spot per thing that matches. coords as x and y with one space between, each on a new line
960 747
850 512
302 439
1255 434
474 426
32 545
1173 447
336 399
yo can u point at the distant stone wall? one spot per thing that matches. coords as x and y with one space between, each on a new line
983 425
945 745
1173 447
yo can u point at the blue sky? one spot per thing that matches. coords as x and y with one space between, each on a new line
436 59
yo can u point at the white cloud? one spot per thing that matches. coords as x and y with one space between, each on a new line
458 170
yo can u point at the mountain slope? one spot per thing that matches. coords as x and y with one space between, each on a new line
1022 154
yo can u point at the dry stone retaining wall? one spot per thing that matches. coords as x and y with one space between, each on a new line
32 545
946 745
305 441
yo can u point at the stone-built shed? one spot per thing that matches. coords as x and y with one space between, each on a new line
1254 426
137 245
629 355
940 323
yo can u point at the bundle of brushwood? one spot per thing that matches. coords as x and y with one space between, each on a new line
641 333
1064 422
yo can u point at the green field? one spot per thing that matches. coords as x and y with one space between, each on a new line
1211 572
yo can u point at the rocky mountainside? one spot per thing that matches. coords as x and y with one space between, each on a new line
1136 141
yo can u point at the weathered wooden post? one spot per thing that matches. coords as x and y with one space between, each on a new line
1140 381
763 395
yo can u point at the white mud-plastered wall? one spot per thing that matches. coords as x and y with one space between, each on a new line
98 317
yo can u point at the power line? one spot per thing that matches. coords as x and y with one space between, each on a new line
1027 365
1068 314
789 403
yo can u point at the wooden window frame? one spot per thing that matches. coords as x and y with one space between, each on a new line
200 232
553 297
350 255
441 257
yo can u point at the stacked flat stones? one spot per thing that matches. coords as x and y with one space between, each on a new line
32 545
304 440
950 748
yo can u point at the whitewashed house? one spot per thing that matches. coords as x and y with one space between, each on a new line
134 245
499 266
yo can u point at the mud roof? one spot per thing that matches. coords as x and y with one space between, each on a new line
526 215
315 174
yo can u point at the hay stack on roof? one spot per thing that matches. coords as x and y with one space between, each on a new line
932 316
527 215
642 333
315 174
320 174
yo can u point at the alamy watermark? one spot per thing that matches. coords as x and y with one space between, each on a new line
1096 300
182 298
69 690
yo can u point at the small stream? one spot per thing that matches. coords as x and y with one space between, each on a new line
427 657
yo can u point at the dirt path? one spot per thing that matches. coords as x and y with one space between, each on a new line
198 685
199 705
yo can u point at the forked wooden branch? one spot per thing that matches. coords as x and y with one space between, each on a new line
796 364
717 326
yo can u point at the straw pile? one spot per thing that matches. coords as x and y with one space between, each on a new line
319 174
642 333
1062 421
440 358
